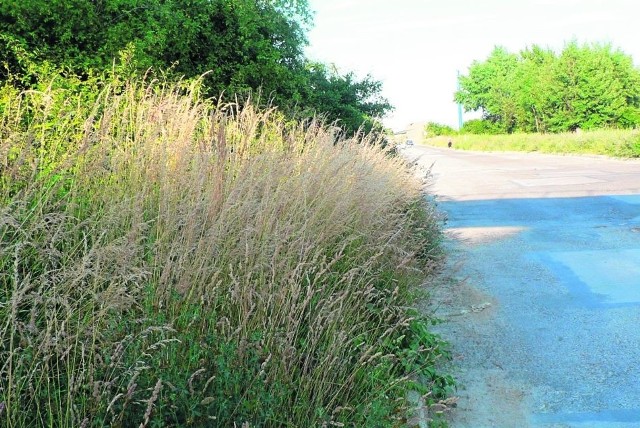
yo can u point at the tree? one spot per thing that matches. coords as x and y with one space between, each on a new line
243 46
489 88
598 87
355 105
538 90
587 87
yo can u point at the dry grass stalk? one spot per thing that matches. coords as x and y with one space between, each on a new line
152 202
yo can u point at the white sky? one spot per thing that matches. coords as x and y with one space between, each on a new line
415 47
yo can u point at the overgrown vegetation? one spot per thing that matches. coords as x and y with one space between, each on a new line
481 127
583 87
433 129
169 261
618 143
244 47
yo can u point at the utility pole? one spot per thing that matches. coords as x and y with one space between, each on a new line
460 121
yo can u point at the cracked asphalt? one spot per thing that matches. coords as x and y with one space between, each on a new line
543 306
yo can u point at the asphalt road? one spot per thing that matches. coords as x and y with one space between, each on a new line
543 312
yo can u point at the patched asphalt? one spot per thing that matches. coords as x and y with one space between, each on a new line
551 244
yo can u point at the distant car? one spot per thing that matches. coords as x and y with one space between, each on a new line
409 142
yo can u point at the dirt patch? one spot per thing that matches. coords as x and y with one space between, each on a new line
453 297
486 397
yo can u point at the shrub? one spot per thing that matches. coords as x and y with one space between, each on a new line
480 126
433 129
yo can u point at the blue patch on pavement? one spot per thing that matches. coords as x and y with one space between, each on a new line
627 199
594 419
597 278
530 212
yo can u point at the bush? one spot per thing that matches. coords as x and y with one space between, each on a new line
480 126
433 129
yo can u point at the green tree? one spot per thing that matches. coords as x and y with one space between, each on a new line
242 43
243 46
537 92
588 86
489 88
599 85
353 104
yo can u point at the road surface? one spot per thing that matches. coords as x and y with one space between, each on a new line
543 313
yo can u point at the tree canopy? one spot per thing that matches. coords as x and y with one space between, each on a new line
243 46
537 90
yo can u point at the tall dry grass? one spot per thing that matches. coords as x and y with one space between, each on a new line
169 261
